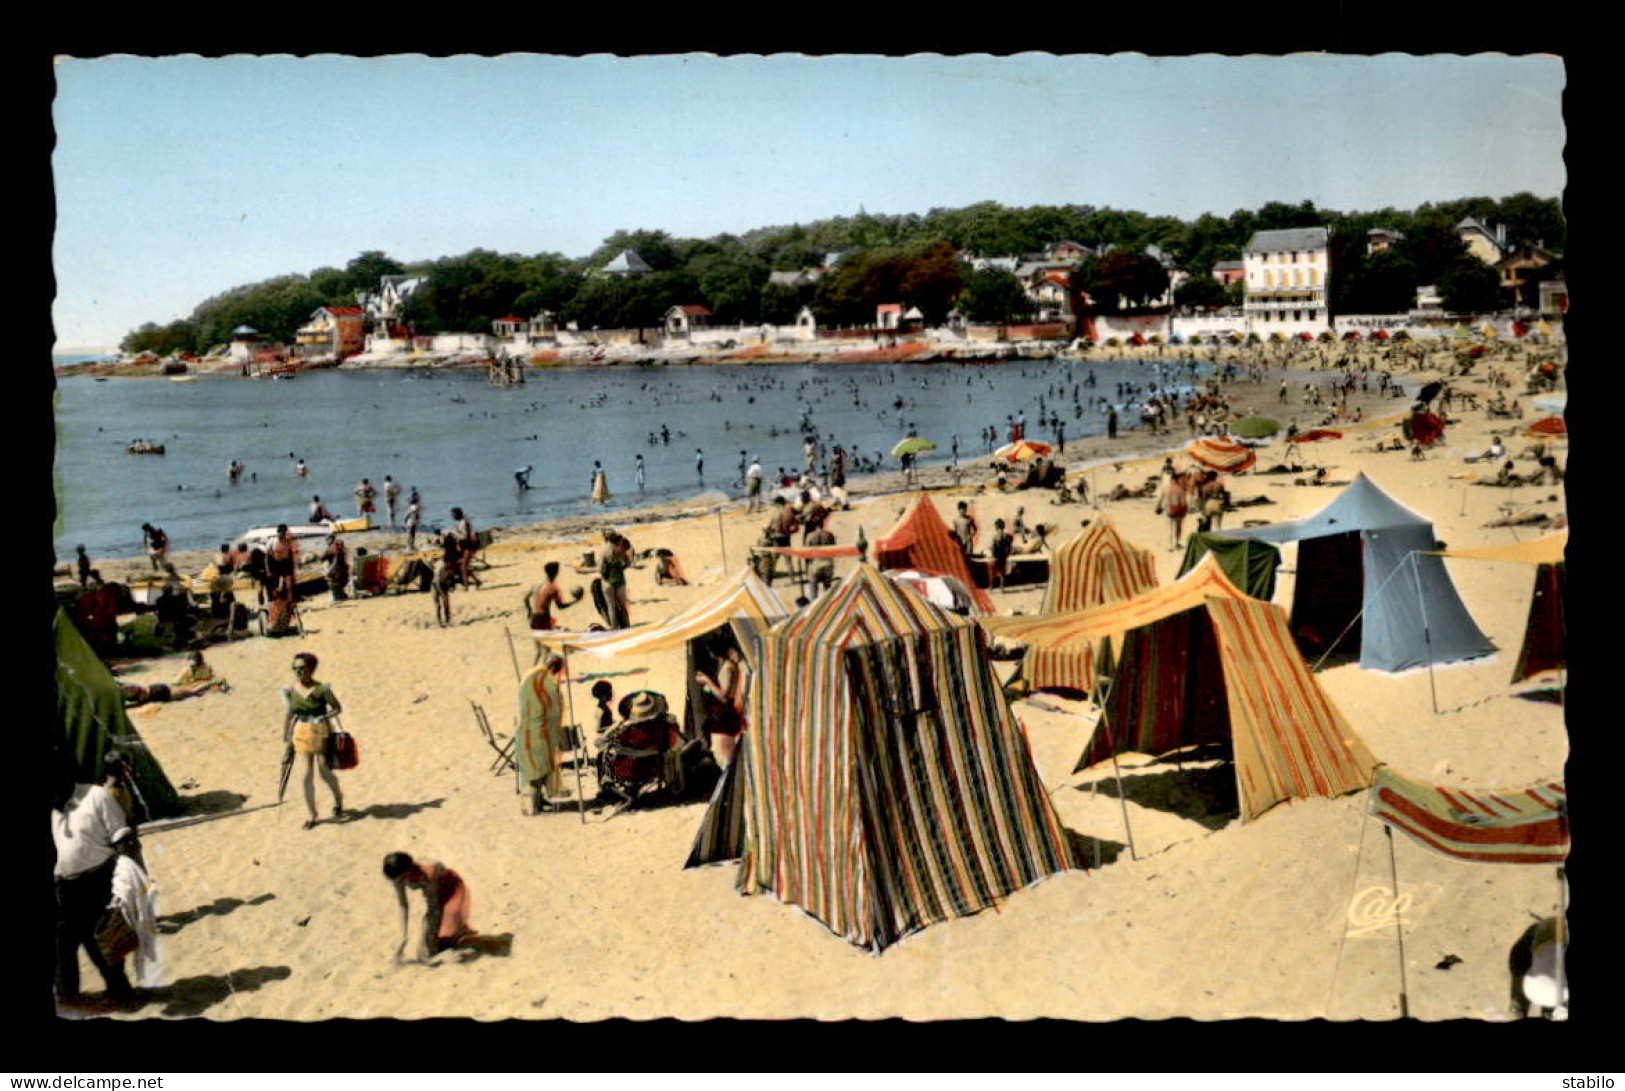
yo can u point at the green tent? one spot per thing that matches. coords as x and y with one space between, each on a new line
1248 564
90 712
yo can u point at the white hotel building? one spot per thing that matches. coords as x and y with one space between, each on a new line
1287 273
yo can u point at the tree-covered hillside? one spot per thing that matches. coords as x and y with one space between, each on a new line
909 258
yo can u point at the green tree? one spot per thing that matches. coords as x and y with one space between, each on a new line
1200 293
1120 277
1472 288
994 296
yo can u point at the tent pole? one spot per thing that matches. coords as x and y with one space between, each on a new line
518 676
581 737
1399 925
1333 646
1427 636
1337 966
1111 740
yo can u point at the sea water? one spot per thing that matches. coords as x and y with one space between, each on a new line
459 440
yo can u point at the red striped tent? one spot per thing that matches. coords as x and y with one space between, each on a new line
1496 826
1221 453
921 540
1545 644
884 784
1098 566
1200 662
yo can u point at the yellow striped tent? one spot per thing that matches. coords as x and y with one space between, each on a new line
744 596
884 782
1096 567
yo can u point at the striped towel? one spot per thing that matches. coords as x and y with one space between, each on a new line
1516 826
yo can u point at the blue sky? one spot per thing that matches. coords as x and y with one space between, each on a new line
177 178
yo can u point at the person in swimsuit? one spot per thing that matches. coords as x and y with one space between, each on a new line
311 705
446 904
540 601
282 563
725 717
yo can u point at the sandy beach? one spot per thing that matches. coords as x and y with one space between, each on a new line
1205 916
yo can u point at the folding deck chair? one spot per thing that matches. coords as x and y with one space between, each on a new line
504 751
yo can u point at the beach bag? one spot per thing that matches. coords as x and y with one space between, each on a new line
115 937
342 751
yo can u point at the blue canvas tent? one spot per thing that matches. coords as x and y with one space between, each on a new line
1366 579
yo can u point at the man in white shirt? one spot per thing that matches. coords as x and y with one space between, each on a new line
82 826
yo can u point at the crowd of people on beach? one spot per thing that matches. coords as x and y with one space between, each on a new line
99 867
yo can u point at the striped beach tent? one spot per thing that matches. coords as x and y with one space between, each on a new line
1229 672
884 784
743 596
1067 651
1545 643
1495 826
921 540
1098 566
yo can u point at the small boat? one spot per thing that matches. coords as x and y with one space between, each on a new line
183 378
144 448
305 535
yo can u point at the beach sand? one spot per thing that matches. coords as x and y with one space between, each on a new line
1206 916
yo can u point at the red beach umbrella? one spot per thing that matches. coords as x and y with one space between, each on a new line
1315 434
1424 428
1550 426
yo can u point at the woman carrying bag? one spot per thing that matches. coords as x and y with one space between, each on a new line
311 710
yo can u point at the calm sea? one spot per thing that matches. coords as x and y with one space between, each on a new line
459 440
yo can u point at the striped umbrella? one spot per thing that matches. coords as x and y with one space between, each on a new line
1022 450
1221 453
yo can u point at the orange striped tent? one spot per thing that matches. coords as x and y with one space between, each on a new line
1096 567
884 784
1200 662
921 540
1067 650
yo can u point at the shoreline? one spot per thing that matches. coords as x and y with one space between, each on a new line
1083 457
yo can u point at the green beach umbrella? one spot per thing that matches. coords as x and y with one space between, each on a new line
912 445
1254 427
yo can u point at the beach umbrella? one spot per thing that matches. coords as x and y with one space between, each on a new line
1518 328
1380 335
1022 450
1424 428
1429 392
1315 435
912 445
1549 426
1254 427
1477 350
1352 335
285 772
1306 337
1136 340
1221 453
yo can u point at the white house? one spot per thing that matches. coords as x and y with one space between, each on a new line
1287 275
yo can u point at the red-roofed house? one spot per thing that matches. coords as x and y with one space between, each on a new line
686 317
333 331
889 316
